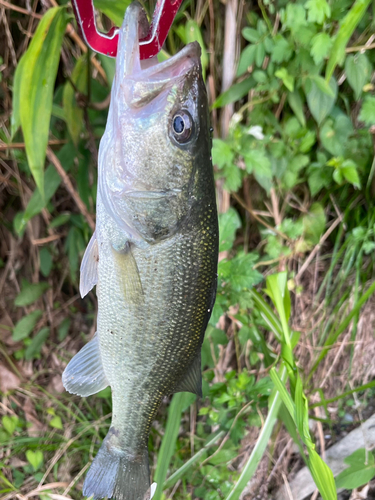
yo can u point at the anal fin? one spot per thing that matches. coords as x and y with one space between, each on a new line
192 379
89 267
84 374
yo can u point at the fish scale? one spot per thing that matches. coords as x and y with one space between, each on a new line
175 346
153 256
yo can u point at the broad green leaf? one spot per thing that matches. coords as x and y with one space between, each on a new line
347 27
291 176
358 72
238 272
320 47
295 17
251 35
56 422
194 34
222 153
229 222
314 223
326 87
260 52
45 259
59 220
234 93
282 50
322 476
355 476
247 59
9 423
360 458
75 246
319 102
296 103
259 165
232 177
367 113
257 161
318 11
33 350
83 179
63 329
29 293
287 79
26 325
16 100
114 9
39 69
52 180
318 178
349 172
73 112
35 458
334 134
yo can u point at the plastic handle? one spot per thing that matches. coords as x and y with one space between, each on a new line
106 43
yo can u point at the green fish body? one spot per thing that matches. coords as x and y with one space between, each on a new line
153 255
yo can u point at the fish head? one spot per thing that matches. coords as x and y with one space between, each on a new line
157 125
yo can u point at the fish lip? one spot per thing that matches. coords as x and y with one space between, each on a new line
152 194
191 51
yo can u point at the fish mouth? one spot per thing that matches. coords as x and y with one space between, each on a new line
140 81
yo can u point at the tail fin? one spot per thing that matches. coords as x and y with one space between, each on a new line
114 475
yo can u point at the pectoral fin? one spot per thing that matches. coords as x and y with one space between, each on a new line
128 275
192 379
89 267
84 374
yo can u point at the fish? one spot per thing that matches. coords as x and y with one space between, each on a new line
153 256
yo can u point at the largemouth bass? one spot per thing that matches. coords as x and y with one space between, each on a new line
153 256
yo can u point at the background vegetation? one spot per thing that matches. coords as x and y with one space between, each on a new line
288 355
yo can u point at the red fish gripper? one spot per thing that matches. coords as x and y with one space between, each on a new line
106 43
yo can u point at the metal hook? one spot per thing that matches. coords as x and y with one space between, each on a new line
106 43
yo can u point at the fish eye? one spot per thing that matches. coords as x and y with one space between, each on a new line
182 126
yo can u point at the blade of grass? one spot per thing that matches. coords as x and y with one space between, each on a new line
361 388
267 314
346 30
260 445
173 478
168 444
